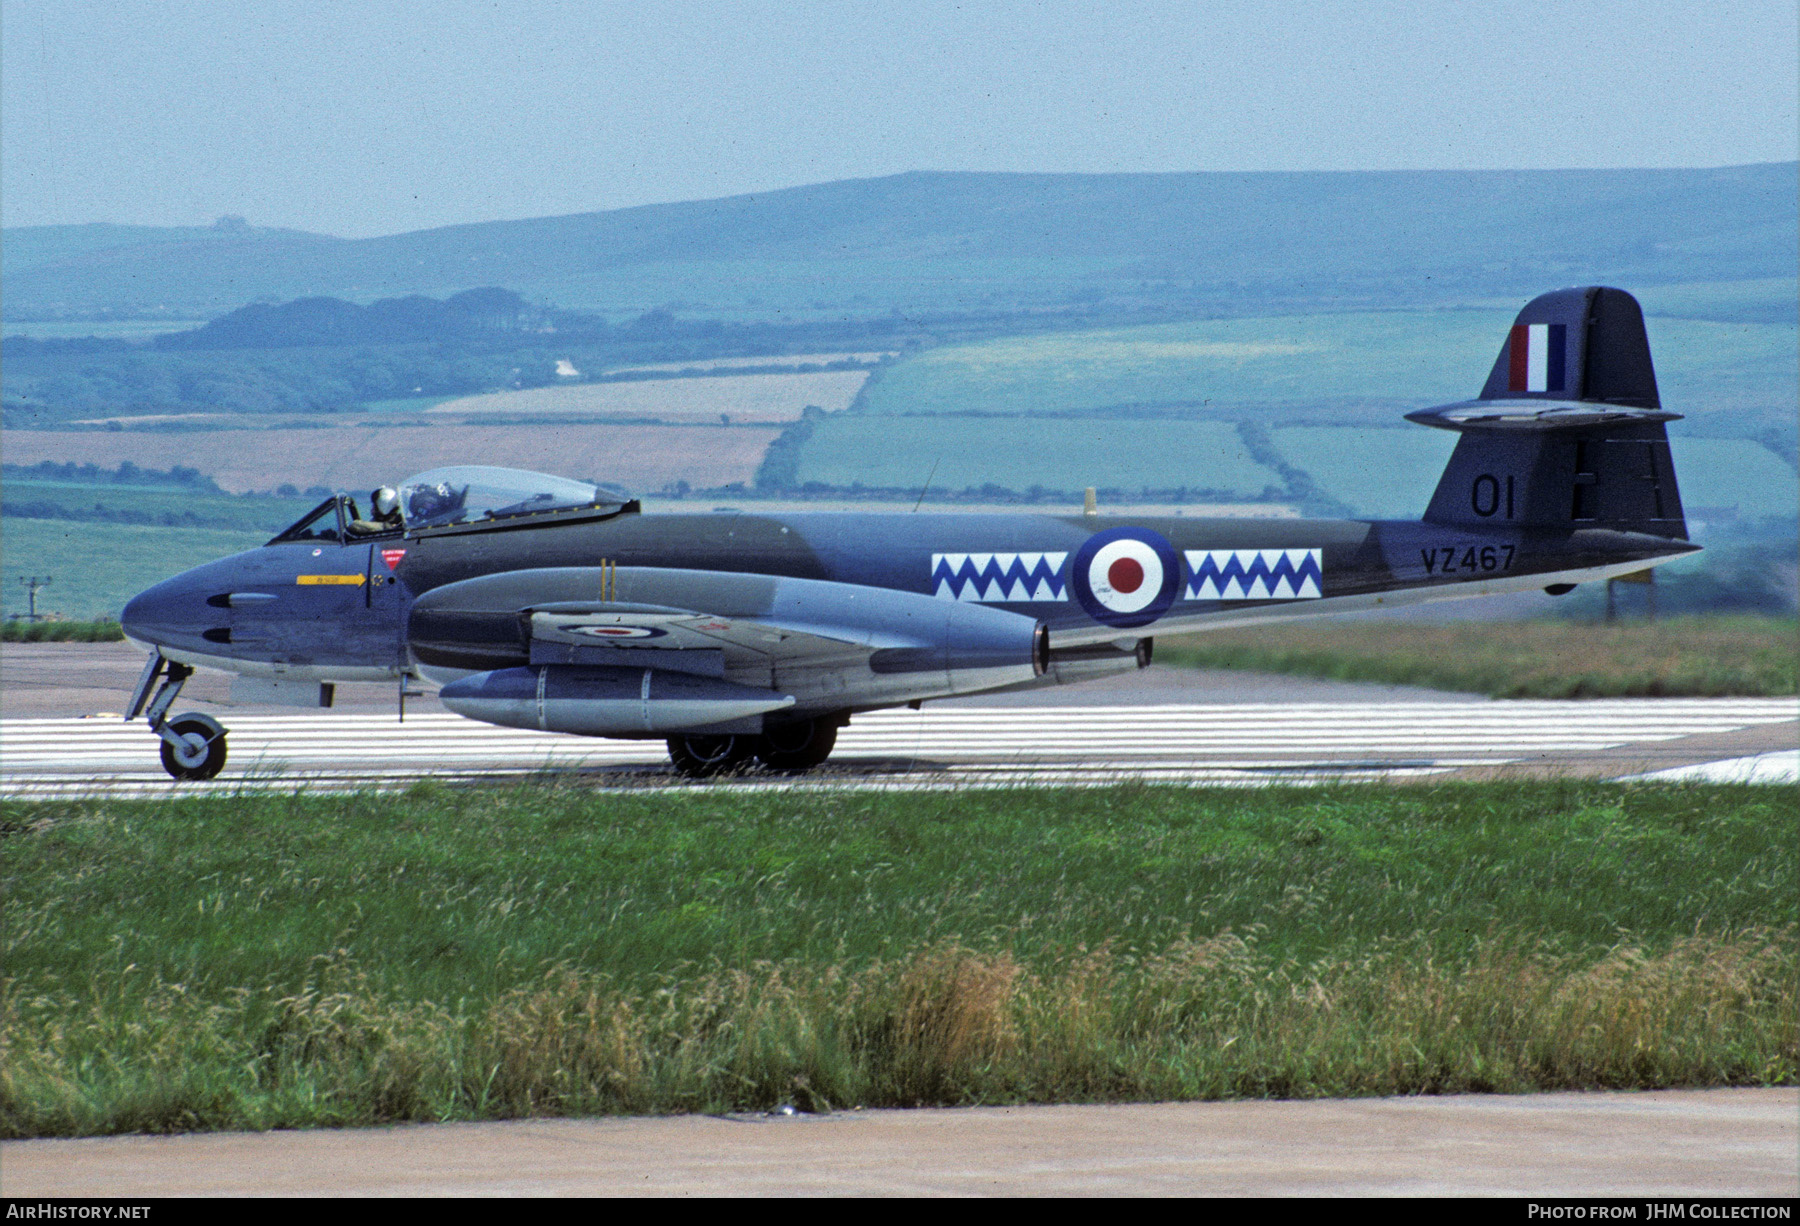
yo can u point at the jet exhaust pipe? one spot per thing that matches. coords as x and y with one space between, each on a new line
606 701
1069 665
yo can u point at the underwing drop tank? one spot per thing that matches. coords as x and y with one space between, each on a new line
606 701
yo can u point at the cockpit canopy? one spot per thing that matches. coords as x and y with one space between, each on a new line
463 495
474 493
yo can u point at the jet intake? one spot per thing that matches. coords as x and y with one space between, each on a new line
606 701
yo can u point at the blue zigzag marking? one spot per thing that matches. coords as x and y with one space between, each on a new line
1204 566
1001 581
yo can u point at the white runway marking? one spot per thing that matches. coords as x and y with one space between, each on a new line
943 747
1782 766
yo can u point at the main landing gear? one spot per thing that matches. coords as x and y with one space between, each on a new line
791 748
193 745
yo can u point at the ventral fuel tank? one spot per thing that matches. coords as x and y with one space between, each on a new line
606 701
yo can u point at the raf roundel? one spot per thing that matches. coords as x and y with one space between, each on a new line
614 632
1125 577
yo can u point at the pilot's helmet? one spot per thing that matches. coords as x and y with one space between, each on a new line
423 502
386 501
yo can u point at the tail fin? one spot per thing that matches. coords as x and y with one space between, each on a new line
1568 431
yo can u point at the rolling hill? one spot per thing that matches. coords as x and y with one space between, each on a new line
992 242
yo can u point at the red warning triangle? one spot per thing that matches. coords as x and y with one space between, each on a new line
392 557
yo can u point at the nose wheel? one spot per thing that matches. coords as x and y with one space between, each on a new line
193 748
193 745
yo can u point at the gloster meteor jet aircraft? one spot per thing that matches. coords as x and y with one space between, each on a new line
538 602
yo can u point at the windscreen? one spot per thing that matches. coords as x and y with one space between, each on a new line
322 523
472 493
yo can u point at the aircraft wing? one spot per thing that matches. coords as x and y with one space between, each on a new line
797 635
608 633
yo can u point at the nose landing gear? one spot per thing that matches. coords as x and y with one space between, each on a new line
193 745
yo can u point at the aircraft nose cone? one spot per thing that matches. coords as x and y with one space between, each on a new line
175 612
150 614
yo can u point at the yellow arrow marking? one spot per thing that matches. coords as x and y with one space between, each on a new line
329 580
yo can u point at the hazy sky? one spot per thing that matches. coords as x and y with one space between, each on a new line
372 117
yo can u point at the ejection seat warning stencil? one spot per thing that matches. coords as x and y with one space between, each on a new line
999 578
1255 574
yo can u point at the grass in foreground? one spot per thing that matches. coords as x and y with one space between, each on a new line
1672 657
277 961
20 631
287 960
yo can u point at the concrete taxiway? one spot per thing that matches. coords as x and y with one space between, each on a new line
1650 1144
1162 725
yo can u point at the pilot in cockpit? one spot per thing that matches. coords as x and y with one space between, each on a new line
384 506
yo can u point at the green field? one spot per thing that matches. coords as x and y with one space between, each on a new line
1393 356
1319 366
270 960
165 505
1384 473
1379 472
1390 473
404 404
1730 472
1058 454
1690 656
119 329
1331 388
99 566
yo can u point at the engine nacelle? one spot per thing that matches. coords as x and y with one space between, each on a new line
832 646
608 701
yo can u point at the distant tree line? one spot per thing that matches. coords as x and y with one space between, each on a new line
126 473
332 321
38 508
321 355
490 316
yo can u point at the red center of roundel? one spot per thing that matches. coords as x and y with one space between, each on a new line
1126 575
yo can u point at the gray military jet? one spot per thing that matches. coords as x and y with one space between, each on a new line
537 602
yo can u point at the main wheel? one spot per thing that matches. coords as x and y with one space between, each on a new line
699 757
798 746
200 755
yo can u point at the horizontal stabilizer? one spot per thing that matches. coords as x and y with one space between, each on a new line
1532 415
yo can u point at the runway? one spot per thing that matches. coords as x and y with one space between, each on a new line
1666 1143
947 747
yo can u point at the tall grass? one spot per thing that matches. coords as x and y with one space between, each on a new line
20 631
1672 657
943 1024
283 961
